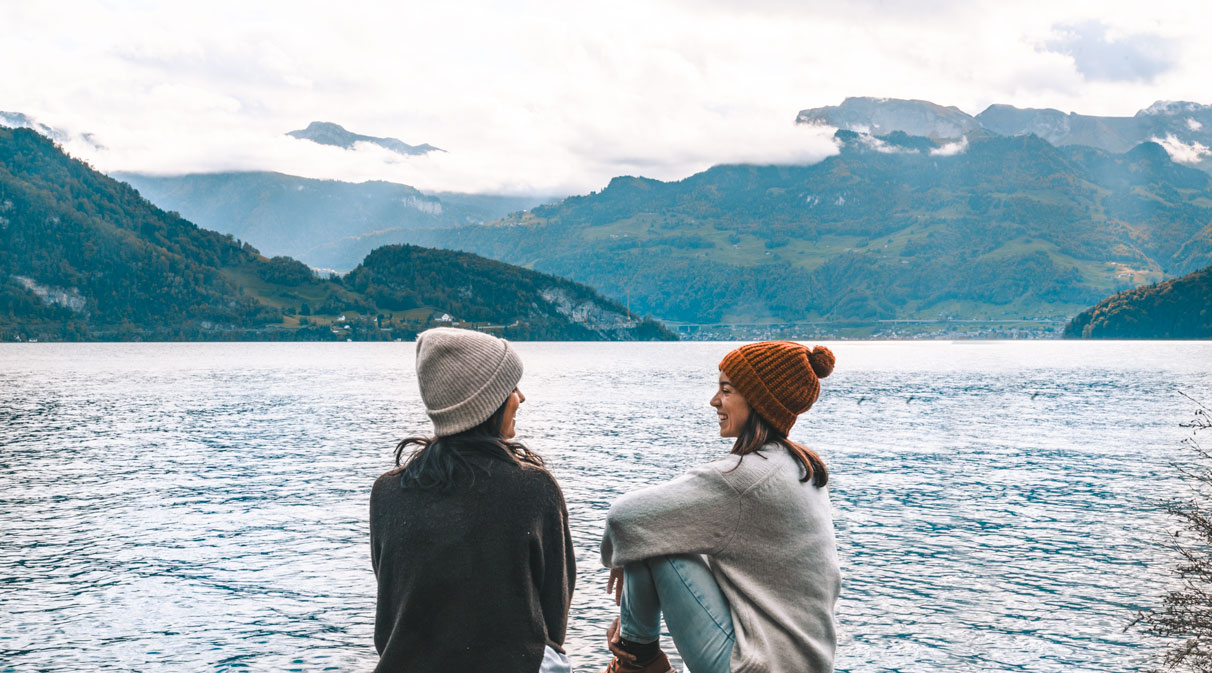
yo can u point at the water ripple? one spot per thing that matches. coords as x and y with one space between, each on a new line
203 506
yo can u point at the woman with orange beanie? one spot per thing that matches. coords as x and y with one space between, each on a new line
738 555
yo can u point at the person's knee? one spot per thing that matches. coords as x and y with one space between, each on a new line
681 563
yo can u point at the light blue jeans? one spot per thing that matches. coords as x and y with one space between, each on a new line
696 612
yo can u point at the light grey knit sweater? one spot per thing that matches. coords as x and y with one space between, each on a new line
768 539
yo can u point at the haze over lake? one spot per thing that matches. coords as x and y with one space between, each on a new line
203 506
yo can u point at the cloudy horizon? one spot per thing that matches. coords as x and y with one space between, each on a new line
551 98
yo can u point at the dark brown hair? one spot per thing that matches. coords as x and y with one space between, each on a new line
438 462
758 432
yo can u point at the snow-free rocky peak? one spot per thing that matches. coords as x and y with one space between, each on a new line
328 133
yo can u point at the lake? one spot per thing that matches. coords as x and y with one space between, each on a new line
194 507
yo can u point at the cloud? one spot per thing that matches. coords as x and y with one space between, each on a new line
951 149
536 104
550 98
881 146
558 170
1099 54
1183 153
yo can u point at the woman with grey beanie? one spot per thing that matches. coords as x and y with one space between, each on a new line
469 533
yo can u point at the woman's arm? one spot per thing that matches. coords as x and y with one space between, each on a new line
696 513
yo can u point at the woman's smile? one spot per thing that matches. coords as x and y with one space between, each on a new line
731 409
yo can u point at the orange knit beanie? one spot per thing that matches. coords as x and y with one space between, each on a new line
779 379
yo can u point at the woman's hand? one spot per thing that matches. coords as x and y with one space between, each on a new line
615 584
613 637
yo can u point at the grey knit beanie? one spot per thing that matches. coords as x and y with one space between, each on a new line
465 376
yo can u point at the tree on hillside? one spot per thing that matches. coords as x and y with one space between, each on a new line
1186 612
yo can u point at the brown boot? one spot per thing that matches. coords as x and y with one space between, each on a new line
659 664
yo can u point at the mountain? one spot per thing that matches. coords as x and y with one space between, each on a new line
528 304
85 257
891 228
1176 309
325 223
328 133
1183 128
18 120
880 116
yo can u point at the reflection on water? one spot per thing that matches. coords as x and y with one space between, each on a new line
203 506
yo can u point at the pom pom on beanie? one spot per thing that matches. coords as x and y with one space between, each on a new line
779 379
822 361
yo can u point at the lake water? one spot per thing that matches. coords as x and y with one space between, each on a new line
202 507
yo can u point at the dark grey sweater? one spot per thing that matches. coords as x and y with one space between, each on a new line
475 578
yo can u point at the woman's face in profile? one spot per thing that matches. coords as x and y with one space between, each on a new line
515 399
730 407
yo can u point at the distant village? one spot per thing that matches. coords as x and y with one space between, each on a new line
879 329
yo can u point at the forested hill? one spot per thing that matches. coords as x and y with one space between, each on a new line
85 257
1176 309
892 227
528 304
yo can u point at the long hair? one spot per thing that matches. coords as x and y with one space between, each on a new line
758 432
439 462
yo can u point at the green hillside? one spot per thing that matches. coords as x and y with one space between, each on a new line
85 257
525 304
895 227
1176 309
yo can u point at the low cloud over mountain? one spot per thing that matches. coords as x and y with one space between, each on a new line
1183 128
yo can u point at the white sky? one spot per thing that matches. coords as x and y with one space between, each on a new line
557 97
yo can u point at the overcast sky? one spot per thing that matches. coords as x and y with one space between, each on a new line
557 97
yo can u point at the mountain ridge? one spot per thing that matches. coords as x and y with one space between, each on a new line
329 224
887 229
86 257
331 133
1184 128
